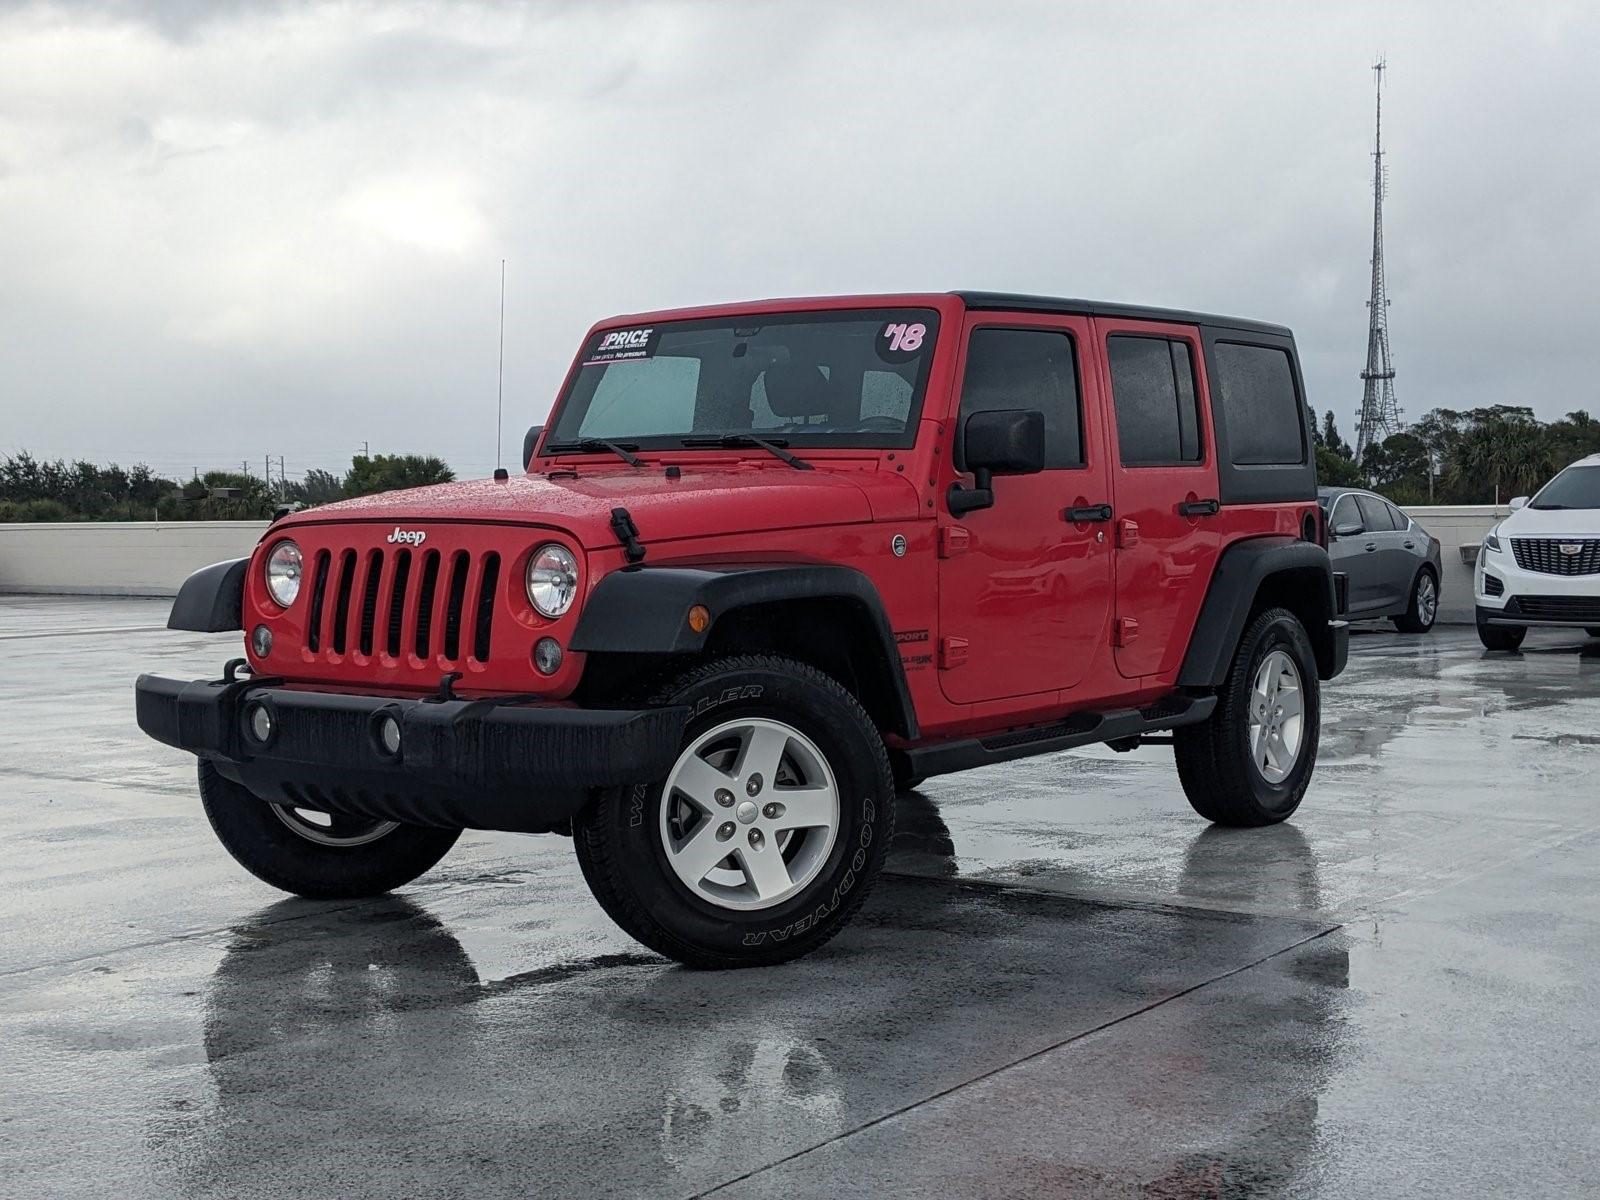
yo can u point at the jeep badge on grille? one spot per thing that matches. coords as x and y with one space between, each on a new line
407 537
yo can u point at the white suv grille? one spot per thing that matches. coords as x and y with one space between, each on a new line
1552 556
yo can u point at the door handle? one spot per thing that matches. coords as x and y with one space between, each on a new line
1371 546
1089 512
1199 508
1411 545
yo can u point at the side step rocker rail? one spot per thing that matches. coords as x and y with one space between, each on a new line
1080 729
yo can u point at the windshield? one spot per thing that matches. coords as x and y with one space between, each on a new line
848 378
1576 487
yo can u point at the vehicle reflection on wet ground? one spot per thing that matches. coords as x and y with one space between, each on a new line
1069 985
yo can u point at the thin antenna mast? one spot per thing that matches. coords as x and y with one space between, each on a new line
500 380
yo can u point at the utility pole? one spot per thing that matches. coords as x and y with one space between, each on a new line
365 453
1380 414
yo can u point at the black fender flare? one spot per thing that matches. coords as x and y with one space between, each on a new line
645 610
1242 570
212 599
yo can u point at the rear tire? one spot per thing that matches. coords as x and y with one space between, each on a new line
1501 637
1423 607
345 861
798 862
1251 762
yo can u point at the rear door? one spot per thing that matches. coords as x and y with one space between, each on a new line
1025 593
1393 576
1164 484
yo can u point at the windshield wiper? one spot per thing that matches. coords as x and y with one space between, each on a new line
735 440
595 445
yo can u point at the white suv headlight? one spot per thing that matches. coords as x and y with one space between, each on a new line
552 580
1492 539
283 572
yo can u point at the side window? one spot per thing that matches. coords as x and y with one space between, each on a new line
1255 387
1346 513
1152 386
1028 368
1375 514
1401 521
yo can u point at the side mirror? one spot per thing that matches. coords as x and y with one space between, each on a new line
1006 441
1348 529
1518 502
529 441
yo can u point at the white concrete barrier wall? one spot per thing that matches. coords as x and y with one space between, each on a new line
153 558
1456 526
117 558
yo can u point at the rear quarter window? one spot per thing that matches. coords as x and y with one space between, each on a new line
1255 387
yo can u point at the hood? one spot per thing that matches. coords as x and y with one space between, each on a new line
701 503
1552 522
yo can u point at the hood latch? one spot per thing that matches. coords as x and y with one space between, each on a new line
628 534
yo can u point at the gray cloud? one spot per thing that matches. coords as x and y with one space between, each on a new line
232 231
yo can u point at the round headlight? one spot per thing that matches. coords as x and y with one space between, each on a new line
552 580
283 573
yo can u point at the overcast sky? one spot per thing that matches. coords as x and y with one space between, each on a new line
233 230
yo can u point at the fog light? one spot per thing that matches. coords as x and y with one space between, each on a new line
261 641
389 735
260 723
547 656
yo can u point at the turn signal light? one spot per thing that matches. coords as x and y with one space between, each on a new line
699 618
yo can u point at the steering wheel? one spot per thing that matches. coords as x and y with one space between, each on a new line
881 425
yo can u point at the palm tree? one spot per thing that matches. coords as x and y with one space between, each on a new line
1513 456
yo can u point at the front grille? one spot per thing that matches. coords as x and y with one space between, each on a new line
1545 556
378 603
1582 609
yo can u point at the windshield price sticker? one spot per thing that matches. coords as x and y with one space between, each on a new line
900 341
624 345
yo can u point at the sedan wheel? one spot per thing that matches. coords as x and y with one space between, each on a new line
1423 608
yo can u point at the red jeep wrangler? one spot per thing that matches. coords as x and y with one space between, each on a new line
766 562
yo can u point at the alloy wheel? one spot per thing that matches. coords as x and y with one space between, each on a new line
1277 717
331 829
1427 599
749 813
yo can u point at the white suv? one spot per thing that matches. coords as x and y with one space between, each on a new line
1541 565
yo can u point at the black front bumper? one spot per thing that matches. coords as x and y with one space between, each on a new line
475 764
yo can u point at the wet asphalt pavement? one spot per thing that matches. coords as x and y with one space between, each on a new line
1069 985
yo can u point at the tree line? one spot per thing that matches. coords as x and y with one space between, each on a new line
1476 456
36 490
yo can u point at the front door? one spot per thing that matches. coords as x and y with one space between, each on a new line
1024 591
1356 552
1165 486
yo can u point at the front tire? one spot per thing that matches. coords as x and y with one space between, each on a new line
764 838
1501 637
1251 763
336 859
1423 607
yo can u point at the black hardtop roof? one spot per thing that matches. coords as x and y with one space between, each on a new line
1011 302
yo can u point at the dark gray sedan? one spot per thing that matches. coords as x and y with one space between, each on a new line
1392 562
